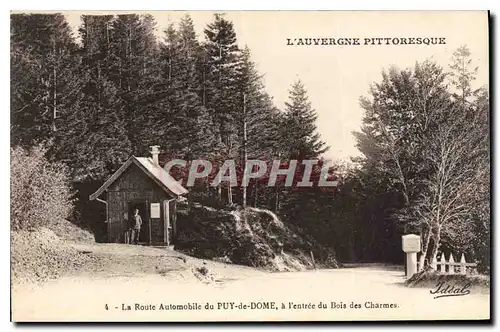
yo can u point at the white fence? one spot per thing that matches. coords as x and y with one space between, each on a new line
452 267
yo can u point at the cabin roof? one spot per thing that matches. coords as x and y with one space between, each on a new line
155 172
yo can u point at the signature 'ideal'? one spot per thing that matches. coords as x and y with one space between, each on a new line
445 290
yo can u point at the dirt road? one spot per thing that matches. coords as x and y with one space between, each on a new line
183 294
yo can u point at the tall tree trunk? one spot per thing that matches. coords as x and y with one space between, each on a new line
129 46
276 195
255 194
425 247
245 155
437 242
99 83
276 202
229 187
120 71
229 194
55 86
204 97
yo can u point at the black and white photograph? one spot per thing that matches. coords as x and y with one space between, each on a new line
250 166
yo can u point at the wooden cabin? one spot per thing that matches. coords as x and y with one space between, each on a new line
141 183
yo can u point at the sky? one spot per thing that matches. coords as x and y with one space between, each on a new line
337 76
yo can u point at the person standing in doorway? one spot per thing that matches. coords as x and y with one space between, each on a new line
137 227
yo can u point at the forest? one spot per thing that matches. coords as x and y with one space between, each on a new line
85 105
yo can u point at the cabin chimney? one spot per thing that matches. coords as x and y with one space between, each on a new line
155 150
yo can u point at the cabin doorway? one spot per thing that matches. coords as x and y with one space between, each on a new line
143 212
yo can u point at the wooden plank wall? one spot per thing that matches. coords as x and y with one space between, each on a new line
133 186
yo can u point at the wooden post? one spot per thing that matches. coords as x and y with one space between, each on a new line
167 222
172 215
148 209
451 268
434 263
442 264
165 216
149 231
463 268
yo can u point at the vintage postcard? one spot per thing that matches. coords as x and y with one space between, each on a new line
246 166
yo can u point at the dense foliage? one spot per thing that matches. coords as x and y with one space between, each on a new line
40 191
426 163
119 89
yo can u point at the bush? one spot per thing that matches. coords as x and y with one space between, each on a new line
252 237
40 193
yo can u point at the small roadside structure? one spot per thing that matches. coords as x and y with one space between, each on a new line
142 184
411 246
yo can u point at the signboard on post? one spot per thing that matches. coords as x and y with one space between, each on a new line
155 210
411 243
